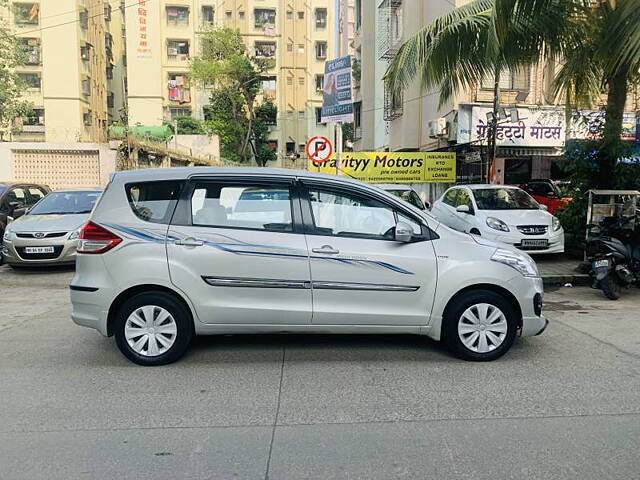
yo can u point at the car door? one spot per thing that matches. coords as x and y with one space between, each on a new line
443 208
360 275
237 249
465 221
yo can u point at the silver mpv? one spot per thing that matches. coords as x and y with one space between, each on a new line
168 254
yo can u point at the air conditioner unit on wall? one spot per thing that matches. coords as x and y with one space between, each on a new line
438 127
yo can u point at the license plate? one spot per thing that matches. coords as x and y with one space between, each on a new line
534 243
601 263
38 250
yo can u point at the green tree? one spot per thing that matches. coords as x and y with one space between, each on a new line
596 41
189 126
12 106
234 78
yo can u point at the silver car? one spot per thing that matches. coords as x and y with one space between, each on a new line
48 233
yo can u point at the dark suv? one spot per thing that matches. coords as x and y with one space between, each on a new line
16 199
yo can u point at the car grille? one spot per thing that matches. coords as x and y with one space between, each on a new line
533 229
57 250
46 235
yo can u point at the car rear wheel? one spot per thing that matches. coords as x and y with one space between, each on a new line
481 326
153 328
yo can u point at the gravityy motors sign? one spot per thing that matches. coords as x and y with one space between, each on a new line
394 167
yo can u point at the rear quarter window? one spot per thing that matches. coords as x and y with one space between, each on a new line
153 201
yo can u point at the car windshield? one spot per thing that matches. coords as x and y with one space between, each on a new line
66 203
504 199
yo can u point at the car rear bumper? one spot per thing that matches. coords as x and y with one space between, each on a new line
87 311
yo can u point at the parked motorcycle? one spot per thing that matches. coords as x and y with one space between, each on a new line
614 252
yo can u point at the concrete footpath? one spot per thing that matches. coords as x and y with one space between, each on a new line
559 269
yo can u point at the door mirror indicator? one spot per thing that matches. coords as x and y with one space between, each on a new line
404 232
463 209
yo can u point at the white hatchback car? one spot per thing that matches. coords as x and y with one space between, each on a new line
501 213
171 253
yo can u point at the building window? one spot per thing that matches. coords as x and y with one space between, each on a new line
357 120
301 81
108 45
175 112
358 14
85 52
109 72
177 15
26 13
393 105
319 82
241 15
30 50
178 85
268 83
84 19
264 17
509 80
111 100
319 116
31 80
289 47
301 48
35 119
86 87
87 118
301 114
208 15
265 49
290 81
107 12
321 18
321 50
301 15
178 50
291 148
289 14
389 28
229 15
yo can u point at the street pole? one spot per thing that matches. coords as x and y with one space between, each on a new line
339 148
493 127
175 135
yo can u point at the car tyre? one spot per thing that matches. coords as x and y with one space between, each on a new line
153 328
480 326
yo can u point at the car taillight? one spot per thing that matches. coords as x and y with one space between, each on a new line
96 239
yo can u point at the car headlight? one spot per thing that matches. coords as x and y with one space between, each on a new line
497 224
555 223
7 236
524 264
75 234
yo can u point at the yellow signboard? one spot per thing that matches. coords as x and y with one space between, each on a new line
394 167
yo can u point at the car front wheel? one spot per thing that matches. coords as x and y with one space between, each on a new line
153 328
481 326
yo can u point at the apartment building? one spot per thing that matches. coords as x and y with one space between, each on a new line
297 35
70 68
532 130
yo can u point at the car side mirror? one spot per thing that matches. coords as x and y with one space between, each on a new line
404 232
463 209
544 207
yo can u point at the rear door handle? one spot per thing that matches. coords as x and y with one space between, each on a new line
190 242
326 249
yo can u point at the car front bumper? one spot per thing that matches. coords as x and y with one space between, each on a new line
64 251
555 241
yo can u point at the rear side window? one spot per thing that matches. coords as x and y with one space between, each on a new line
257 207
153 201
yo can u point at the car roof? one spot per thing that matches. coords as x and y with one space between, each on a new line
393 186
484 186
183 173
79 190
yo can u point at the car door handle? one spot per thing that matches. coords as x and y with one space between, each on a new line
326 249
190 242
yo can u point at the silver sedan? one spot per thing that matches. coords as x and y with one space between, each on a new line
48 233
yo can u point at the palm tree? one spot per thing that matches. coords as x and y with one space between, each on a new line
597 42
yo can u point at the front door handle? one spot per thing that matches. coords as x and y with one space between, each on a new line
190 242
326 249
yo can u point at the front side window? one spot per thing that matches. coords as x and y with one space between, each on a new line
257 207
35 195
346 215
464 199
66 203
17 195
153 201
504 199
450 197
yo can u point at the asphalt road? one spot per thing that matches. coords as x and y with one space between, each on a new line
562 405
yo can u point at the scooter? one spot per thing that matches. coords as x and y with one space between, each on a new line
615 255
